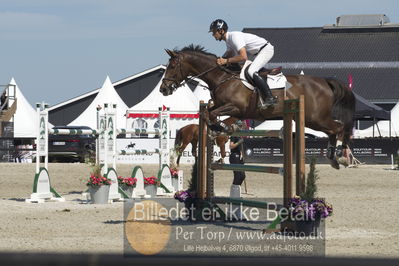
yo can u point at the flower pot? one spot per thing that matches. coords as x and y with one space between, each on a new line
128 190
99 194
308 227
151 190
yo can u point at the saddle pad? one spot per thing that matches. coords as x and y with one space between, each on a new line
274 81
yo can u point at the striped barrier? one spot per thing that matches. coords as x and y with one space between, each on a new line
53 131
138 152
139 131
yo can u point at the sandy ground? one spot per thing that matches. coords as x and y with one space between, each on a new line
364 224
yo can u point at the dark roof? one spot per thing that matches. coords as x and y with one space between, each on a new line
314 45
365 110
370 55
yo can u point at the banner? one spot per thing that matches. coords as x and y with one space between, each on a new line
371 150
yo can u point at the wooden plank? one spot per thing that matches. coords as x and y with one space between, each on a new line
300 146
287 150
201 163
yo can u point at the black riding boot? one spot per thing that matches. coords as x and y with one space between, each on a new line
265 91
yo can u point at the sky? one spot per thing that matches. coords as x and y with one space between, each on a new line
59 49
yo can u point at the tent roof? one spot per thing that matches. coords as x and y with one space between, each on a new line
201 92
107 94
382 127
25 117
182 100
115 84
367 110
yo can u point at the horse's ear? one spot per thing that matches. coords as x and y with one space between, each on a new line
171 53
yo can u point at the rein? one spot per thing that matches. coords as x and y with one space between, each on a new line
176 84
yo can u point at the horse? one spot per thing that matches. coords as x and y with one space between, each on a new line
190 133
329 104
131 145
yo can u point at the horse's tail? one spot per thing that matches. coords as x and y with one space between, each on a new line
344 105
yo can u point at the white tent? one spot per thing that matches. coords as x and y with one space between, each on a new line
382 127
182 103
25 117
278 124
106 94
201 92
181 100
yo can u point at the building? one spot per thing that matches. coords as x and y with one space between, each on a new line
359 49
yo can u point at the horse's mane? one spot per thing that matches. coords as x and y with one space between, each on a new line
196 49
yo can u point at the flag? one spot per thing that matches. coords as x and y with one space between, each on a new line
350 81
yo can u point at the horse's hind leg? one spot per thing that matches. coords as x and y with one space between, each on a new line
332 128
332 141
179 151
194 144
343 138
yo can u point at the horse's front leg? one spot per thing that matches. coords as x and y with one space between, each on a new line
224 110
228 109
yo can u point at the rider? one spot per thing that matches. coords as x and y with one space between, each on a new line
239 44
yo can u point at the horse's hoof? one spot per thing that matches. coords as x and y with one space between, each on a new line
334 164
343 161
216 128
234 128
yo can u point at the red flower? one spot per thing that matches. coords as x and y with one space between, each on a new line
98 181
127 181
152 180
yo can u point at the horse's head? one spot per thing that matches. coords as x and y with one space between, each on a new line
174 74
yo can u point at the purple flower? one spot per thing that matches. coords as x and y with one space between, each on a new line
182 195
310 210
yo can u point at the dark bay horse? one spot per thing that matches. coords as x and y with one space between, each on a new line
329 104
190 133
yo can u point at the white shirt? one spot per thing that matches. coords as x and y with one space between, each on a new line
235 40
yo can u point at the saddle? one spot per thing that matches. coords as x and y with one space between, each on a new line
263 72
236 68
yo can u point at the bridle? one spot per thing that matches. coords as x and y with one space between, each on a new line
175 83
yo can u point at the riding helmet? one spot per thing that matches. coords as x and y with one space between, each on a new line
218 24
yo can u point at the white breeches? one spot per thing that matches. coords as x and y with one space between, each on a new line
261 59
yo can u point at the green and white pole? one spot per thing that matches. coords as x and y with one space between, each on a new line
42 190
110 151
164 154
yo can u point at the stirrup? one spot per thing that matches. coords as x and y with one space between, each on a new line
268 102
